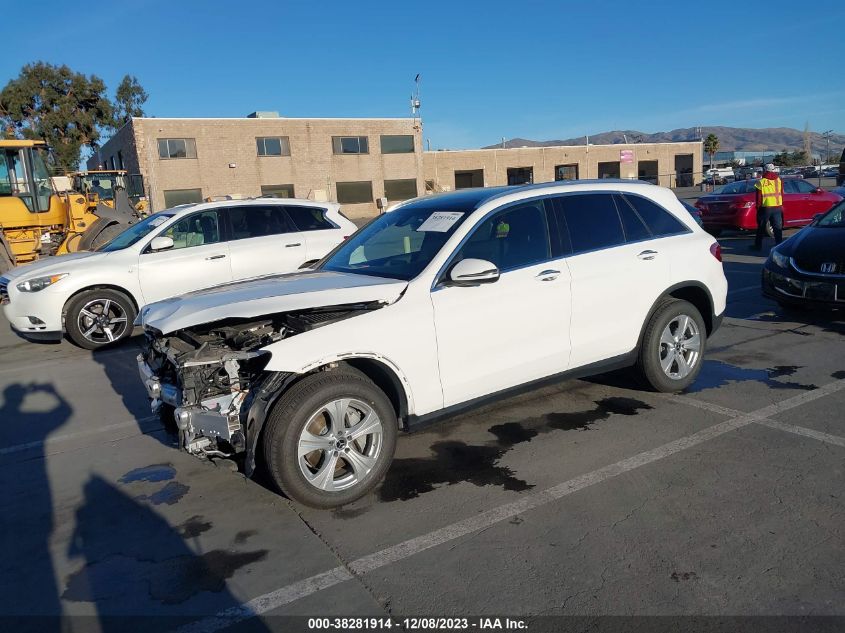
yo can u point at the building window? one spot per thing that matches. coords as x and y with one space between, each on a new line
277 191
273 146
350 145
397 143
120 160
355 192
469 178
113 164
177 148
400 189
566 172
174 197
609 169
520 175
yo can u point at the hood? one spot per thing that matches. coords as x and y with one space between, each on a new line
269 295
53 265
811 247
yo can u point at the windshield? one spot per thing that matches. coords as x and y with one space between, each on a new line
102 184
134 233
398 244
834 217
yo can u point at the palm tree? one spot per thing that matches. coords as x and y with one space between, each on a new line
711 146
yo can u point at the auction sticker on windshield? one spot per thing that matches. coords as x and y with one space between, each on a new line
440 221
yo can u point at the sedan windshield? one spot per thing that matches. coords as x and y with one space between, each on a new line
834 217
398 244
134 233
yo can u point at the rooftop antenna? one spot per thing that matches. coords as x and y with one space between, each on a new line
415 98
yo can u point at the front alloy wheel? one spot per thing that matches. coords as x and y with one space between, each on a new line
340 445
99 317
330 438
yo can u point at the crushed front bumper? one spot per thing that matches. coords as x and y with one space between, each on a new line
210 427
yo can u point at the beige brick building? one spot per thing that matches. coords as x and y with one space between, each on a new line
352 161
666 164
356 161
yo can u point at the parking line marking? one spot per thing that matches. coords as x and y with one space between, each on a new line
8 450
289 593
801 430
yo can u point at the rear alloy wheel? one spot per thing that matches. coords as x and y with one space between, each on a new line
99 317
331 438
673 346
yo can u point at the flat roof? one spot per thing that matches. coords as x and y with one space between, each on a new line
541 147
265 120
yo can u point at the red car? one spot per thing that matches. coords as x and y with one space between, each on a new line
734 206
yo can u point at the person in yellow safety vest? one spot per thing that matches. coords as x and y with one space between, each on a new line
769 206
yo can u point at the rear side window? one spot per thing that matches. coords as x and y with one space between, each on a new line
309 218
658 219
789 186
249 221
801 186
592 221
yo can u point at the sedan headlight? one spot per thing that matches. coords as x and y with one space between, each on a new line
39 283
780 260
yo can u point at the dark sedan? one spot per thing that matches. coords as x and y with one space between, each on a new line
808 269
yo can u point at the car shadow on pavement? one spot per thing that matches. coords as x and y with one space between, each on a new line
121 368
29 412
139 571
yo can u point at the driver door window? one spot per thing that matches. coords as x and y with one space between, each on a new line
510 239
195 230
198 259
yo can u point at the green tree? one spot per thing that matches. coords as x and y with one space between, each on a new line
129 100
65 108
711 146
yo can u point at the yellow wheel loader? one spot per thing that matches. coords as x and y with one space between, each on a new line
37 219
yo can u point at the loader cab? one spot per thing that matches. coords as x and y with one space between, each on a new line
105 182
24 174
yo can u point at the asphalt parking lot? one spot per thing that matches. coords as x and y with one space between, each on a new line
588 498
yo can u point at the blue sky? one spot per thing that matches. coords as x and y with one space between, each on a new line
493 69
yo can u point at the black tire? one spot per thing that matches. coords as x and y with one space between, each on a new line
769 230
100 232
652 349
120 308
291 416
107 234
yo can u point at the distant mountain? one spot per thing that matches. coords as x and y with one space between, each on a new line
730 138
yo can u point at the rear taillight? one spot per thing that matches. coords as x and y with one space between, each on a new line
742 205
346 237
716 250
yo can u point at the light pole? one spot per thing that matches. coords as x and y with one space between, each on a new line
826 134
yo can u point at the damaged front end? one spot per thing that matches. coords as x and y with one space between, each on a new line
206 376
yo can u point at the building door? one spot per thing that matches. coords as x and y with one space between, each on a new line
609 170
683 170
520 175
566 172
647 171
469 178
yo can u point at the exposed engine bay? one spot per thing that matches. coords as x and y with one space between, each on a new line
204 375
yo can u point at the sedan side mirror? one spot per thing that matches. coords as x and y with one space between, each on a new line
818 190
471 272
161 243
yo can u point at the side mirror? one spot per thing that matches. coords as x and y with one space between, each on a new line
471 272
818 190
161 243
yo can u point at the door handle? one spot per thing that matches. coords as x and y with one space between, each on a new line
292 245
547 275
648 255
214 257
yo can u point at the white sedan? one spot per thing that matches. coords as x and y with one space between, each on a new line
95 296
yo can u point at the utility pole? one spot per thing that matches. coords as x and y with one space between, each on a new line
826 136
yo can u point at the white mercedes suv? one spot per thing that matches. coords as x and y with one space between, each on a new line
442 303
95 296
